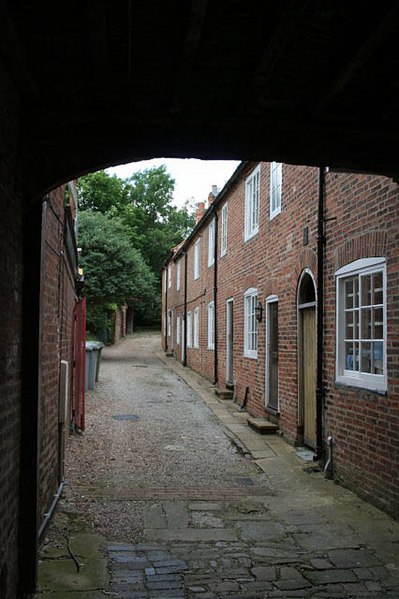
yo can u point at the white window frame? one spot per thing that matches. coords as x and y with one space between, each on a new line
223 230
252 201
178 275
211 325
189 329
276 176
197 260
169 276
178 329
359 269
211 242
196 327
169 323
250 324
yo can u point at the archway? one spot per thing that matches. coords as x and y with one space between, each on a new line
307 348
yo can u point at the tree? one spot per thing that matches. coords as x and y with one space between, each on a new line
147 223
101 193
143 202
114 271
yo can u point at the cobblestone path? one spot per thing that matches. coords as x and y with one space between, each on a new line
182 499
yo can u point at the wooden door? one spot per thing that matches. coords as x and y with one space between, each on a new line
272 355
308 351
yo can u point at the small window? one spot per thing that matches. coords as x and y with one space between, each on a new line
223 232
252 187
196 327
178 275
211 325
189 329
197 259
361 324
275 188
169 276
250 324
178 329
211 243
169 322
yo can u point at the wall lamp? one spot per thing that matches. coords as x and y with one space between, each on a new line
259 311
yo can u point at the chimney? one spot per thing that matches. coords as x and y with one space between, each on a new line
200 211
213 194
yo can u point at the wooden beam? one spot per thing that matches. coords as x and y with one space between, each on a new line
387 26
192 39
13 56
97 25
279 40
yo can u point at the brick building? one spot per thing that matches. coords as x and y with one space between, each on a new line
285 293
61 343
55 330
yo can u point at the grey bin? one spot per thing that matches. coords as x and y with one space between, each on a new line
93 356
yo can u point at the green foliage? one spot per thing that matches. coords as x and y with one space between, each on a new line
114 271
101 193
145 225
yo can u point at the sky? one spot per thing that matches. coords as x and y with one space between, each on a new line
194 178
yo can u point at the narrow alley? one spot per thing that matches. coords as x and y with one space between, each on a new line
169 493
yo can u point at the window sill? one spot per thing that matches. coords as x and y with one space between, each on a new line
274 411
355 384
251 235
251 356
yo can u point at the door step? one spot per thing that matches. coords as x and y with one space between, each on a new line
262 426
224 393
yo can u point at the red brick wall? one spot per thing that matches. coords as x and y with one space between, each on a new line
56 344
11 261
364 424
362 220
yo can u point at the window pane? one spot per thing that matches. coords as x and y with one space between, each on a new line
349 303
366 357
349 325
366 290
366 323
356 292
349 355
377 287
378 315
378 366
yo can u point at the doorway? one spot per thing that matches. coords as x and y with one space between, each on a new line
271 367
307 357
229 343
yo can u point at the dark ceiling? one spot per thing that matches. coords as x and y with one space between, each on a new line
108 82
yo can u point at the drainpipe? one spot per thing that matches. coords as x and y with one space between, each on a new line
215 294
166 309
320 313
185 310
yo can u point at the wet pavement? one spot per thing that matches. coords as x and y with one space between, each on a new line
171 494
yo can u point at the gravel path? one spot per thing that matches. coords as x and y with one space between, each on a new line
160 503
145 428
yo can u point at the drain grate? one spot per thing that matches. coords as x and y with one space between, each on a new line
125 417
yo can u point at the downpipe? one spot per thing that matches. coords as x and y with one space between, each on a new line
50 512
328 468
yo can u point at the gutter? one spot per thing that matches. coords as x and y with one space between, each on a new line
320 315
